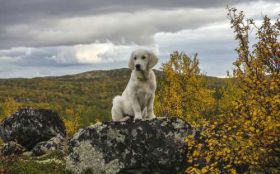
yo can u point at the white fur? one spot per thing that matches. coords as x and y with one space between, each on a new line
138 97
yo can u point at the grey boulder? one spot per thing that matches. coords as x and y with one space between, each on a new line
33 128
147 146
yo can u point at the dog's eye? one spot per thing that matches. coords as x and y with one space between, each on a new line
143 57
135 58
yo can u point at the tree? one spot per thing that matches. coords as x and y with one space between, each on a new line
183 91
247 135
257 110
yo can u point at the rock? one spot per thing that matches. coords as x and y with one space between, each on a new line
54 144
33 128
12 148
153 146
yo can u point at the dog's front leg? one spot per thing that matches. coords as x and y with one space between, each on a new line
136 109
150 108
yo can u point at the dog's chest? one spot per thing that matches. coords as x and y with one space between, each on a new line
144 93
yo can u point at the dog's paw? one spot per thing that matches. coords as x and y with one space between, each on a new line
137 118
125 118
149 117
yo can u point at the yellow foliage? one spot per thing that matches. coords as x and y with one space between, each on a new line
73 123
8 107
248 131
183 91
257 111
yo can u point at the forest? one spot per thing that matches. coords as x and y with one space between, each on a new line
86 96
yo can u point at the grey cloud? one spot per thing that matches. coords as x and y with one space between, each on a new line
41 38
17 71
65 56
136 27
214 44
38 56
36 23
22 11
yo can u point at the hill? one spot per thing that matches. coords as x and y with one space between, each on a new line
90 92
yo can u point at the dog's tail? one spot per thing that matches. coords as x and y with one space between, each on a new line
117 100
117 114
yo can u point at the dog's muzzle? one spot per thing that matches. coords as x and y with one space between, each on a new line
138 67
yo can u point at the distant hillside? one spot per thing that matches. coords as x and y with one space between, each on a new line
92 91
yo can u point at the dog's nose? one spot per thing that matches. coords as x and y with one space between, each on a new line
137 66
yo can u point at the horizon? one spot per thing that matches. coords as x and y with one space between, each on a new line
221 77
56 38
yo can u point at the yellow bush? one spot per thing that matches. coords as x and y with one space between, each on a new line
247 136
183 91
73 123
256 112
8 107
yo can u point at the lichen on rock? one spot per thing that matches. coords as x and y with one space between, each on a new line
86 157
153 146
36 130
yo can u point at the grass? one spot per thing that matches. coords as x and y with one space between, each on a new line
49 164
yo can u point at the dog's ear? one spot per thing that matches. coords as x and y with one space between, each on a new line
152 60
131 61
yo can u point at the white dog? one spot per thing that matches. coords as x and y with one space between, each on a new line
138 97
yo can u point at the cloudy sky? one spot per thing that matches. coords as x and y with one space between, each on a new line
57 37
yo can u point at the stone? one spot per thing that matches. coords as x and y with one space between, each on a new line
54 144
12 148
153 146
36 129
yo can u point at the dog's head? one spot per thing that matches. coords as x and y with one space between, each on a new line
142 60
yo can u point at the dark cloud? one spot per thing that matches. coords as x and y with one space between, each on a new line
120 27
22 21
15 11
56 37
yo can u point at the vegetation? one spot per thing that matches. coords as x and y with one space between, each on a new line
48 164
184 91
80 99
91 92
256 110
240 121
8 107
74 122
